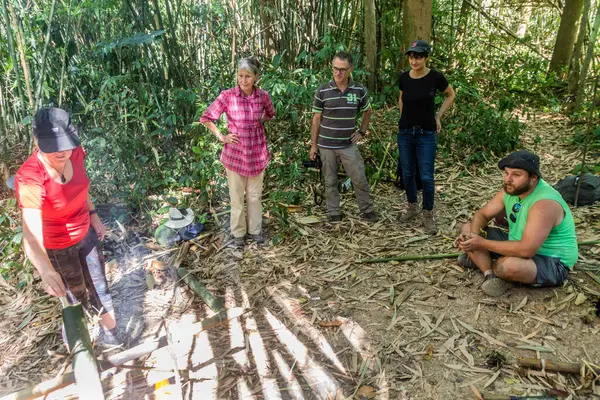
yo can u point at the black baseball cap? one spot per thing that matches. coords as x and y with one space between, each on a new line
522 159
54 130
419 46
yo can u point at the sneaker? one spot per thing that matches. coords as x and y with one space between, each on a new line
370 216
465 262
259 238
429 222
134 329
334 218
494 286
411 213
107 339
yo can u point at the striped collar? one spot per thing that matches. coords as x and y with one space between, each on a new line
334 86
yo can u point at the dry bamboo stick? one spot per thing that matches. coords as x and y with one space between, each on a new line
552 366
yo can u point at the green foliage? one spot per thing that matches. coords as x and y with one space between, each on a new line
12 259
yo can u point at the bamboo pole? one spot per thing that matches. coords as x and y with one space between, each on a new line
441 255
215 304
553 366
85 367
38 94
588 130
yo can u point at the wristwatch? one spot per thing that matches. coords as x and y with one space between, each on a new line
363 133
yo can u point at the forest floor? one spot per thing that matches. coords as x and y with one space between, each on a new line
316 324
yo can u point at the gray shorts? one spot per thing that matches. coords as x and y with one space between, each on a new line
550 270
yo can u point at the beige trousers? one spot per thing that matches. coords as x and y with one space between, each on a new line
252 188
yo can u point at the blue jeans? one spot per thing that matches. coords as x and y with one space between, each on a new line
422 144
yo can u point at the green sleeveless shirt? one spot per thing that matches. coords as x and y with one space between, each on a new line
561 242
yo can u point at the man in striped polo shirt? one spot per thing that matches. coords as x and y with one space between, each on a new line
334 136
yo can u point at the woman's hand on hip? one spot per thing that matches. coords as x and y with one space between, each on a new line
98 226
52 283
231 138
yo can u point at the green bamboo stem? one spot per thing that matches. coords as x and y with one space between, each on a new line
215 304
441 256
85 367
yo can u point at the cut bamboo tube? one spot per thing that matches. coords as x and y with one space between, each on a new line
85 366
197 287
552 366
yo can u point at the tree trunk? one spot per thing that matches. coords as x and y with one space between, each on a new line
588 58
370 30
567 32
266 9
416 23
575 62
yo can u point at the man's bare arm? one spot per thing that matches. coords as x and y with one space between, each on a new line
543 216
483 216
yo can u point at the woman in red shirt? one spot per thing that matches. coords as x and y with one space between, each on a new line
61 229
245 154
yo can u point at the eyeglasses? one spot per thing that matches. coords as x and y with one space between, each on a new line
340 70
417 56
515 210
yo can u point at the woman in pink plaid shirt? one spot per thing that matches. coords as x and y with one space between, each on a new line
245 154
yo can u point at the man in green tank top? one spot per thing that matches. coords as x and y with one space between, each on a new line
540 247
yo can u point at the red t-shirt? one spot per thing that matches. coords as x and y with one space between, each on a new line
65 215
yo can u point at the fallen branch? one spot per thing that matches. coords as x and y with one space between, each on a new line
552 366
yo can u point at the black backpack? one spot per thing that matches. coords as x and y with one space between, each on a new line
589 190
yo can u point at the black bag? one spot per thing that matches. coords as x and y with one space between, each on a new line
589 190
400 183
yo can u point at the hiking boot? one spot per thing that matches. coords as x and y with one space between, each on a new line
429 222
334 218
259 238
370 216
411 213
494 286
239 242
465 262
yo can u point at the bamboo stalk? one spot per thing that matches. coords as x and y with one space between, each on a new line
552 366
85 367
215 304
441 255
588 130
38 94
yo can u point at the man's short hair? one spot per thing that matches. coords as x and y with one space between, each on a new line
344 56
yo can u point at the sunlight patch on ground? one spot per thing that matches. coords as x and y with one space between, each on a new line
236 333
293 387
323 386
290 307
205 384
261 358
243 391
